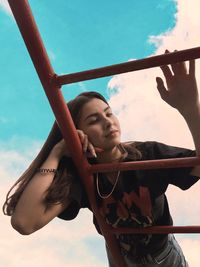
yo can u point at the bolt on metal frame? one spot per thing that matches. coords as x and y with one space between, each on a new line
52 84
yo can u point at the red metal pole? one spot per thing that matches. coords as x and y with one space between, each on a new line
146 164
134 65
158 230
35 46
37 51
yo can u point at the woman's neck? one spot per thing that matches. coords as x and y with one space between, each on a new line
108 156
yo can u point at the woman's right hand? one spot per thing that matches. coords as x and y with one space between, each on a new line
61 148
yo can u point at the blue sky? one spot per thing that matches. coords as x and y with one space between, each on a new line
81 35
78 35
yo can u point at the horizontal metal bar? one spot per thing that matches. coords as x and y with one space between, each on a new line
146 164
150 62
158 230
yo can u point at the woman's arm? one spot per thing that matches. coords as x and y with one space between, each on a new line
182 93
31 212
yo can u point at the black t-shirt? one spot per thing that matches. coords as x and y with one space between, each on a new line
139 198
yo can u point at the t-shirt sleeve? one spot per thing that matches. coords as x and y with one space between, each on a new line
78 199
180 177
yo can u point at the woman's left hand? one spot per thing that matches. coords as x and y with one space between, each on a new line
181 92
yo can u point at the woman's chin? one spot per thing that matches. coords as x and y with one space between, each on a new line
111 145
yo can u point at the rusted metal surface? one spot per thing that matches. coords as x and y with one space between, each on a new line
158 230
134 65
35 46
146 164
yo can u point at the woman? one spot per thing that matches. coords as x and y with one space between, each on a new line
51 186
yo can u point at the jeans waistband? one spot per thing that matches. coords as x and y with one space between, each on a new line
154 257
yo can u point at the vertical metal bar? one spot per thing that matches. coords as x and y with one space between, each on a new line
28 28
37 51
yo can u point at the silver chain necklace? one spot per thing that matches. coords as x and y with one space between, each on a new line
108 195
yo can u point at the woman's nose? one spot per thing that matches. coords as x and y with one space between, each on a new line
108 122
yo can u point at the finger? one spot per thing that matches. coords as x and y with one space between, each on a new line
81 135
98 149
167 72
84 140
179 68
91 149
161 88
85 143
192 67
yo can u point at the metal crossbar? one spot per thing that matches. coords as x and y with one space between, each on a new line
52 82
134 65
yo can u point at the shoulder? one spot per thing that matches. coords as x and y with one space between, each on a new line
157 150
139 145
131 150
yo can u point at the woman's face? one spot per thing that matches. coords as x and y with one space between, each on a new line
100 124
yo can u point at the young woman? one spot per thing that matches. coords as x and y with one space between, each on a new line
51 187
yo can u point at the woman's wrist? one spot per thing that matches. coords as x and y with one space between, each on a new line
191 115
192 119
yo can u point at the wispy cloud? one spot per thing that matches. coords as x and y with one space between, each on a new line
144 116
137 98
185 207
191 250
5 7
3 120
65 243
52 55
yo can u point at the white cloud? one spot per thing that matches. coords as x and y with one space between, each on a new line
3 120
185 207
13 162
134 96
51 55
191 250
144 116
5 6
65 243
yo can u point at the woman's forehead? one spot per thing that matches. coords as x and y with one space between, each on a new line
94 106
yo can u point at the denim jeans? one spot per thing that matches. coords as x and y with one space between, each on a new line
171 256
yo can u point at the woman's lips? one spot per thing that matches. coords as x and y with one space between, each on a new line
112 133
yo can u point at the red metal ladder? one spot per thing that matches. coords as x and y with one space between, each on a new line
52 84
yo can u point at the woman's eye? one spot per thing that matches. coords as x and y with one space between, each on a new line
109 114
92 121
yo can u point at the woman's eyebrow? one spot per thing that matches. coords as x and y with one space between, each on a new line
96 113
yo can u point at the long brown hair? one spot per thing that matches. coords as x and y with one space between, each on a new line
58 190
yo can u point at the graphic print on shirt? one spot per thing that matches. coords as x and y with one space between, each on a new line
131 210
